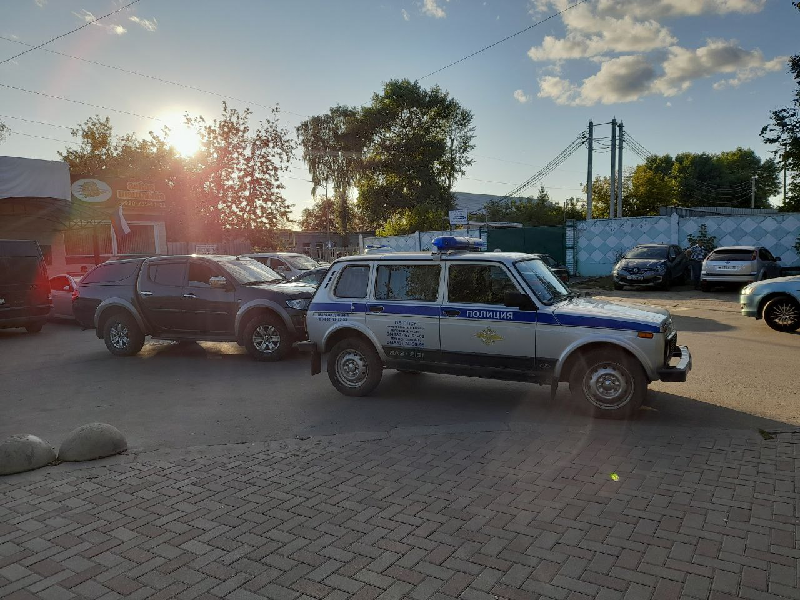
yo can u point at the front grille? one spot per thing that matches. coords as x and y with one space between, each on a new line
670 346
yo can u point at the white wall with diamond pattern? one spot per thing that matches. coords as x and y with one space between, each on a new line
601 241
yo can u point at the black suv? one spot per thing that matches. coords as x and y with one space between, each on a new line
651 264
25 299
202 298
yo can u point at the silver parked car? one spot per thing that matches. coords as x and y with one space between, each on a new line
777 301
288 264
63 291
738 265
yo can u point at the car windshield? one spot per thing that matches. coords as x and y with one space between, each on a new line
300 262
647 252
547 287
248 271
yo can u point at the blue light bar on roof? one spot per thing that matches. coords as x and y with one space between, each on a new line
449 242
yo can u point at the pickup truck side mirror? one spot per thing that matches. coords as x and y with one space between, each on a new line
218 283
518 300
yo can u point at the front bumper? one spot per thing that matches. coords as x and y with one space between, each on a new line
722 278
644 279
749 304
679 371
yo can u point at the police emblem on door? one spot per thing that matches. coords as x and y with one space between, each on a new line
488 336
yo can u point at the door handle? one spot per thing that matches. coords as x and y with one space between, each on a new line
376 309
146 293
451 312
189 296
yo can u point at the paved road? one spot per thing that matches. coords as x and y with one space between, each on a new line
179 395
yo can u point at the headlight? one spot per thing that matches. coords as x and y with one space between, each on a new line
746 290
299 303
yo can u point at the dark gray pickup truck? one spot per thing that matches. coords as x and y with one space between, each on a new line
200 298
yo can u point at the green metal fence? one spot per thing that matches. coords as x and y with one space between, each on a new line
532 240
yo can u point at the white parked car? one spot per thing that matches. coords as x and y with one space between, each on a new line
777 301
738 265
498 315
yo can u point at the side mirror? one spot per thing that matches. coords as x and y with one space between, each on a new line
218 283
518 300
777 259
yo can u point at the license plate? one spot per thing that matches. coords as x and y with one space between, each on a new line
727 268
636 277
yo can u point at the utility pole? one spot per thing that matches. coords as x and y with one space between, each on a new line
784 173
611 203
619 171
589 176
753 191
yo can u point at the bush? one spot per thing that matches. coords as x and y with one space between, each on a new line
707 242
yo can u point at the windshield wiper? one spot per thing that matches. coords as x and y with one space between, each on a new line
262 281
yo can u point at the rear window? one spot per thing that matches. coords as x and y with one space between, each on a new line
19 269
111 272
732 254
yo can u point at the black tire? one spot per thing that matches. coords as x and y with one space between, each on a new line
619 370
122 335
266 338
618 286
683 277
358 357
666 282
34 327
782 314
705 286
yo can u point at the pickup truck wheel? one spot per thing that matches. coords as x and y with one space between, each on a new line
266 338
122 335
611 385
34 327
782 314
354 367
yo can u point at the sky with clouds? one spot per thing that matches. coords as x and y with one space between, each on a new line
683 75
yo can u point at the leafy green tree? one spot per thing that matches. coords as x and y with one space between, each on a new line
4 131
601 195
416 142
707 242
333 155
409 220
783 131
234 178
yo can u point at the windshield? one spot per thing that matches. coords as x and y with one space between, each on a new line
300 262
647 252
547 287
247 270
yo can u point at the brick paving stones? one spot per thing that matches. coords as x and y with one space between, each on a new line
525 513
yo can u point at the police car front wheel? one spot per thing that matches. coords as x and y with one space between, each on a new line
611 385
354 367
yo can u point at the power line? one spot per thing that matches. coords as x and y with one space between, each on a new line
549 167
41 137
152 77
505 39
51 40
33 121
116 110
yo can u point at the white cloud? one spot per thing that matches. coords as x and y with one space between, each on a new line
638 55
148 24
112 28
669 104
431 8
632 77
40 3
521 97
406 16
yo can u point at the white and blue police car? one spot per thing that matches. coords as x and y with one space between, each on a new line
499 315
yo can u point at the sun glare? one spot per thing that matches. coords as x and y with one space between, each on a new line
185 140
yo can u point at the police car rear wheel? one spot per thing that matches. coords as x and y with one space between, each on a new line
354 367
610 385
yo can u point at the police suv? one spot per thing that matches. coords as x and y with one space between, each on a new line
499 315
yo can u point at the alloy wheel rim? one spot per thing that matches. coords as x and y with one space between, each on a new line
266 339
351 368
608 386
120 337
785 314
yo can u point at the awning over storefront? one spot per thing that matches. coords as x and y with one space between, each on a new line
34 178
